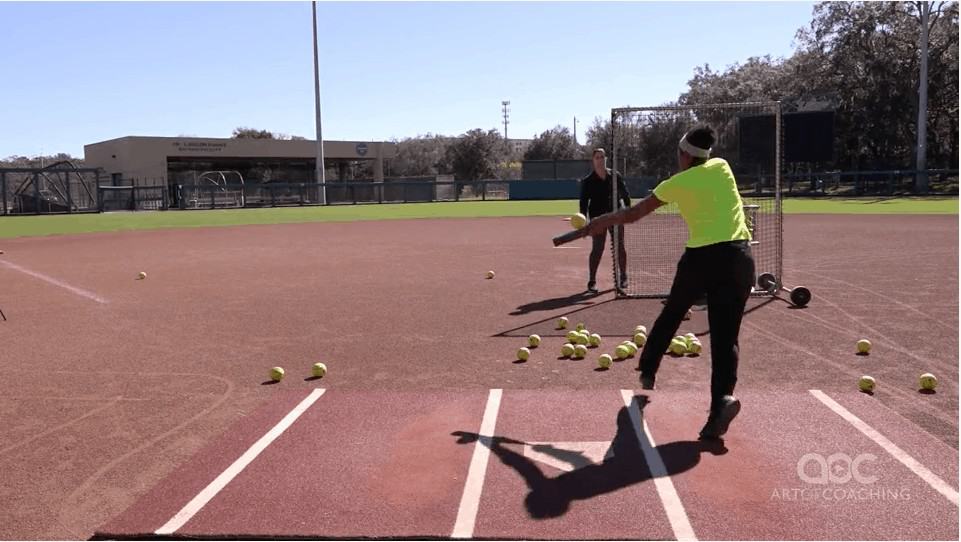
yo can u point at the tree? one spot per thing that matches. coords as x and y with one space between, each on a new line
759 79
599 135
861 60
867 53
27 162
251 133
646 142
418 156
554 144
473 156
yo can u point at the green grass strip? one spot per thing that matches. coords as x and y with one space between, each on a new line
28 226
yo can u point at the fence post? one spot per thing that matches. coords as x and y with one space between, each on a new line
36 193
483 190
3 187
380 192
69 195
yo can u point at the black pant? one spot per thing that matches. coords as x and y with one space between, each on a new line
725 271
597 250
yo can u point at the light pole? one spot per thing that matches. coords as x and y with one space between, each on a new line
319 166
505 109
921 181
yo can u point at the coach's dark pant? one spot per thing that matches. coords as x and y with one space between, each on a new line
597 250
726 272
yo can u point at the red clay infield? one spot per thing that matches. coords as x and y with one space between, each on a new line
122 396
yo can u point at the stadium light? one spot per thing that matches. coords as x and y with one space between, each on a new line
319 175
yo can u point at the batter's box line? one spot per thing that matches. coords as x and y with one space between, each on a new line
912 464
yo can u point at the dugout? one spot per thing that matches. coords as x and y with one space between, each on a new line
171 161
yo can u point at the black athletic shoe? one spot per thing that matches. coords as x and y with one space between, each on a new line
647 382
592 287
720 419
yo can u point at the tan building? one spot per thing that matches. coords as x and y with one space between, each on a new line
520 146
151 161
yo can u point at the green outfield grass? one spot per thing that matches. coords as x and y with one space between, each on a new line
25 226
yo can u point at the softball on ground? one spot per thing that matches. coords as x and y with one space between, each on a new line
677 348
928 381
580 326
490 274
583 339
578 221
640 339
866 383
580 351
640 329
562 323
595 339
319 370
630 346
604 362
572 336
864 346
694 347
534 341
567 350
523 354
142 275
622 351
277 374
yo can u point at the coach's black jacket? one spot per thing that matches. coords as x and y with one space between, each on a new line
596 194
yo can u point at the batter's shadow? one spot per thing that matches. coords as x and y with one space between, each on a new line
625 465
580 298
526 327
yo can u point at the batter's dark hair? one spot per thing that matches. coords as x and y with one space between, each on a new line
701 136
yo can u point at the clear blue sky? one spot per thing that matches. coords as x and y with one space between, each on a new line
78 72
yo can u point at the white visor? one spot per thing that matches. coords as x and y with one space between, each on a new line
696 152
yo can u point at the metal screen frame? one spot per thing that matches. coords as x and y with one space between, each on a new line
778 218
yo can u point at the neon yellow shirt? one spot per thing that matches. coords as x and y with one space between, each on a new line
709 202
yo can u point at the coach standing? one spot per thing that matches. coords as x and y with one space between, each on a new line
596 200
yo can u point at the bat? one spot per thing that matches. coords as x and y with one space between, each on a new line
570 236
